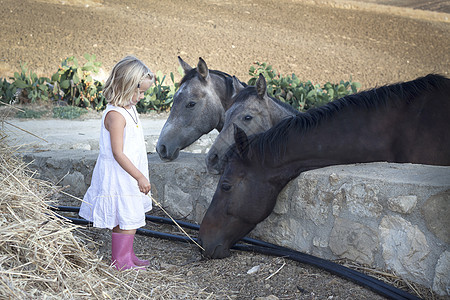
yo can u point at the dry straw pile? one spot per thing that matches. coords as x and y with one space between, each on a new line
45 257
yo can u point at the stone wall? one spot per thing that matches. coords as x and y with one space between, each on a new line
388 216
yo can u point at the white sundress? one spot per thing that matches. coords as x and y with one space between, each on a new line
113 197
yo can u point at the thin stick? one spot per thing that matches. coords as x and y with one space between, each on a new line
70 195
12 106
62 178
284 263
159 205
25 131
132 284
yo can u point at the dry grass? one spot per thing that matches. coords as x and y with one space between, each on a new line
45 257
393 279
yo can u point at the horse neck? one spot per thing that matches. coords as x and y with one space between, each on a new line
223 85
407 127
353 137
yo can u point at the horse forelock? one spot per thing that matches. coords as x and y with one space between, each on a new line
249 91
227 79
272 143
244 94
188 76
193 73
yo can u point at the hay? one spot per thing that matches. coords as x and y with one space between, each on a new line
45 257
390 278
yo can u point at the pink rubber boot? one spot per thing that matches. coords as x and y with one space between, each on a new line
122 251
137 261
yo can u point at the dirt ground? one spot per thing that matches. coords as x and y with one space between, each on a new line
321 40
317 40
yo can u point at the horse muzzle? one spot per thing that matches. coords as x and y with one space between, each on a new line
165 154
214 251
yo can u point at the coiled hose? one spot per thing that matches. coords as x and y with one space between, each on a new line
262 247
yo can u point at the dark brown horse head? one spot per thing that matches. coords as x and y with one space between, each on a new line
244 197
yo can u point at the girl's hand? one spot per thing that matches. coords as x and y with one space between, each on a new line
144 185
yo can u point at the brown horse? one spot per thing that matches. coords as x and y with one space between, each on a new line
404 123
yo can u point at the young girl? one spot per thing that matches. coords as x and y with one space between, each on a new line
116 198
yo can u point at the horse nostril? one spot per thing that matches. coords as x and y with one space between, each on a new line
216 252
162 151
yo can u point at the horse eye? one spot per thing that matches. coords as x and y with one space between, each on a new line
226 187
190 104
248 118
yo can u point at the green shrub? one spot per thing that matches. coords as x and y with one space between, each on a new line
7 91
159 97
33 87
30 114
301 95
68 112
77 85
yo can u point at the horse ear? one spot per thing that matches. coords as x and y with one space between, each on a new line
241 141
237 85
261 86
186 67
202 68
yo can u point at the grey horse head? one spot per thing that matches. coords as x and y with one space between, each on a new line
254 112
198 107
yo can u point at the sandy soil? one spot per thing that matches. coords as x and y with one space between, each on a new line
317 40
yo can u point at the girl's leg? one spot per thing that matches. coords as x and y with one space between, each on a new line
118 230
128 235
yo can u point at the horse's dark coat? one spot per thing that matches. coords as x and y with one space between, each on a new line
378 98
405 122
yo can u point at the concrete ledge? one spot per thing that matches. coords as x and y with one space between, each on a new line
388 216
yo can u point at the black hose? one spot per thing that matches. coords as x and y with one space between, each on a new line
141 231
262 247
162 220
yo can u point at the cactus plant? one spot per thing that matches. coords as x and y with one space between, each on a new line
301 95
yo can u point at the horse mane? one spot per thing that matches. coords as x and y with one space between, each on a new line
272 142
193 73
249 91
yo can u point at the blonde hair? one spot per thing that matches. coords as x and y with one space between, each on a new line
124 80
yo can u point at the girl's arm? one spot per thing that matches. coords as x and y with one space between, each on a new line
115 124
